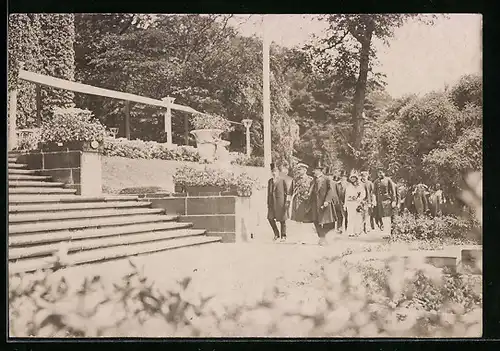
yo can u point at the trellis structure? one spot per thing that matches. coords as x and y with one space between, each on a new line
41 79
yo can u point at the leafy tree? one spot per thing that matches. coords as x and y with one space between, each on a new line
198 59
430 139
349 52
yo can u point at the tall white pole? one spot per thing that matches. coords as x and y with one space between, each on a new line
168 118
267 95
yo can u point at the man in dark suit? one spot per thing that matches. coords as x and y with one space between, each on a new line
290 184
385 194
278 201
323 192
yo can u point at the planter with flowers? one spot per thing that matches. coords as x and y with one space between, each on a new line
69 150
72 129
208 129
194 181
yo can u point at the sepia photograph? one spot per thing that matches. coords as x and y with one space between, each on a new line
245 175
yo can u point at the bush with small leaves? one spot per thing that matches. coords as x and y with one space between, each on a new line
72 124
149 150
244 160
437 231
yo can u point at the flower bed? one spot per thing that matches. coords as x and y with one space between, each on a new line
222 178
72 125
437 230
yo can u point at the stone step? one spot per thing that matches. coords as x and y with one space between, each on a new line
12 159
82 214
15 177
65 198
12 171
54 207
25 228
17 165
16 253
89 233
115 252
34 184
38 190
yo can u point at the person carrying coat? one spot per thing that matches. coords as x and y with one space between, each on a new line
323 191
278 201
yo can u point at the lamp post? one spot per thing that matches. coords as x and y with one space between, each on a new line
114 131
168 118
247 123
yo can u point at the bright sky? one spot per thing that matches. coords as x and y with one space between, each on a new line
419 59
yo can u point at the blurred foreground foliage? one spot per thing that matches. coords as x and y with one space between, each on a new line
379 298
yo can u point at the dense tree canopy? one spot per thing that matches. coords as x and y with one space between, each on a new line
436 138
198 59
348 52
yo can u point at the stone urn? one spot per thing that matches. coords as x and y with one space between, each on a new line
206 142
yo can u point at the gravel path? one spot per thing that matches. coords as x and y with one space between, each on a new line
236 272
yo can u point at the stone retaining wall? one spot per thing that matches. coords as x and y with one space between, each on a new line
80 170
226 216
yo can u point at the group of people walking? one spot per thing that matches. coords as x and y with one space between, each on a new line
330 200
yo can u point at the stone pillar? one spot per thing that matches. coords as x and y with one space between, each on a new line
168 118
90 173
79 169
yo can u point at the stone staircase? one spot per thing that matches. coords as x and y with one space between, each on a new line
46 218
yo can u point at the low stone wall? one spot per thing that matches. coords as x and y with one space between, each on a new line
226 216
80 170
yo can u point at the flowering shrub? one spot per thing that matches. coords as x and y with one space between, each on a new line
205 121
29 140
240 159
395 301
215 176
408 227
72 124
149 150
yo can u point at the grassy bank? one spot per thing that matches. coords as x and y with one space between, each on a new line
120 172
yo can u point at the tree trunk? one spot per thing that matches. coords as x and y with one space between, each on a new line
359 96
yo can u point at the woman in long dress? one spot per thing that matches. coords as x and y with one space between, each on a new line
355 195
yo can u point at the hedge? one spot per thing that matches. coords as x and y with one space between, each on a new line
57 59
149 150
23 45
